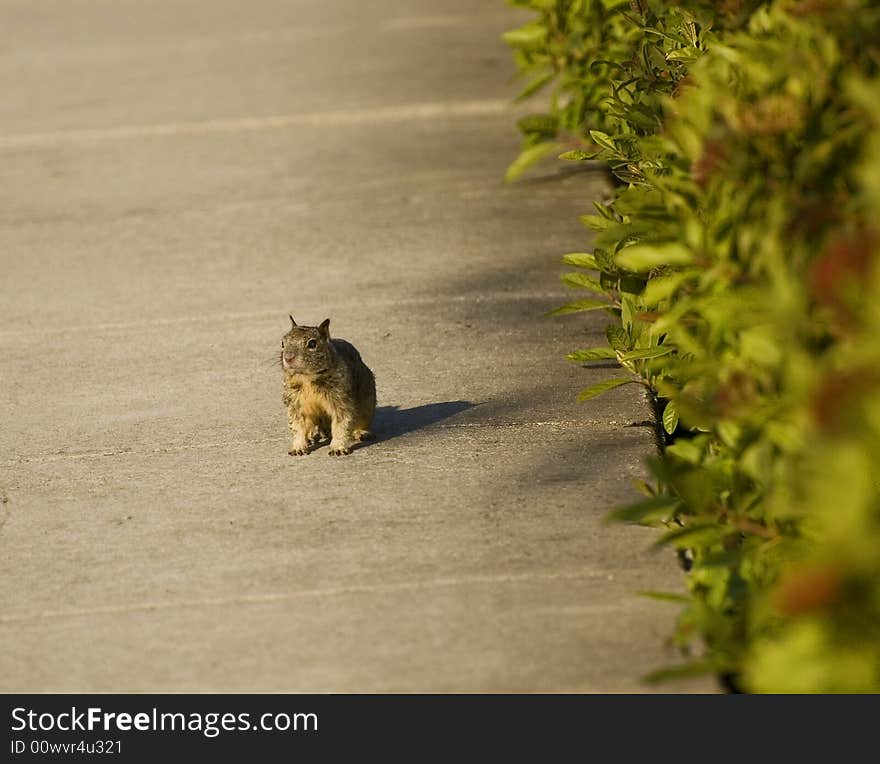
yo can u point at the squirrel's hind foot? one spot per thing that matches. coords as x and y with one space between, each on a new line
363 435
339 450
317 437
298 452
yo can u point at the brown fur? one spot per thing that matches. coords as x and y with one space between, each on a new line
328 390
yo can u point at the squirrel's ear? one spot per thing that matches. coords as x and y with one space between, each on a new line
292 322
324 328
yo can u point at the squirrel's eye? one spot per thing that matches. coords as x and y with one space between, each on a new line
312 344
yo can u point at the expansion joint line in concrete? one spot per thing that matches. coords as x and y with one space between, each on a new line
322 119
335 591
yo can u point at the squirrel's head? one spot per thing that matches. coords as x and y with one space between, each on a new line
307 349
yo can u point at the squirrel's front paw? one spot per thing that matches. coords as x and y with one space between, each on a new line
298 451
340 450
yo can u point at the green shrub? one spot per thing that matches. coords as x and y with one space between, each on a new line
740 255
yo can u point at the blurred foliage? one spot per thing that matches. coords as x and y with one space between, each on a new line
740 255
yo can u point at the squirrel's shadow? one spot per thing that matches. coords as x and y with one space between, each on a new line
391 421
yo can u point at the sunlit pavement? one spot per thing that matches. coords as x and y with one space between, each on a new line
178 177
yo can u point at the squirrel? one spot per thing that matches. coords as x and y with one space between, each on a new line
328 390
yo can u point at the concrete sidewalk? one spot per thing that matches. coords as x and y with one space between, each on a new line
180 176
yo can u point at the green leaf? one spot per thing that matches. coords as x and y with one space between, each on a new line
605 211
644 487
544 5
640 354
686 55
647 511
644 257
667 597
670 417
578 155
535 85
662 287
529 36
627 311
729 432
638 118
595 222
686 451
593 354
602 387
581 260
528 157
617 337
631 284
583 281
579 306
698 668
698 534
605 260
604 140
547 124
